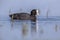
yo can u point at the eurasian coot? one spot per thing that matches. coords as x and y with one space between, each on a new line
25 16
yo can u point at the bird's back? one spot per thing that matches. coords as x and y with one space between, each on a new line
24 16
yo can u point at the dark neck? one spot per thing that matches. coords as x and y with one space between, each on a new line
33 14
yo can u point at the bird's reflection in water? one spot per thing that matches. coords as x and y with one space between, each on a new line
33 27
24 29
12 24
34 31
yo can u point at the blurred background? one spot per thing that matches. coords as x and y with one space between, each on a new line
42 29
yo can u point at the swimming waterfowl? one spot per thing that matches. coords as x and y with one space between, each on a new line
25 16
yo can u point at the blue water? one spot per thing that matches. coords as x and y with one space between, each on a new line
28 30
